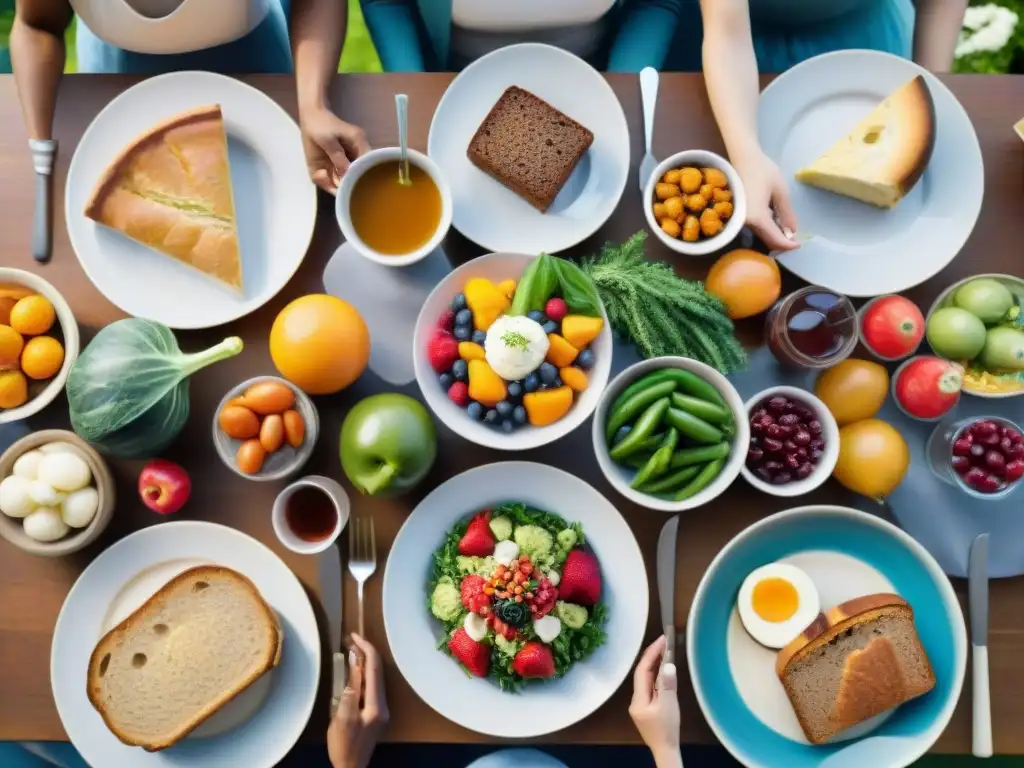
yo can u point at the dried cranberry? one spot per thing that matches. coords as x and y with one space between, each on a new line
995 461
816 455
988 484
817 444
778 405
802 438
767 420
805 414
1014 470
764 474
990 439
789 446
782 478
758 413
1018 451
985 428
756 427
754 456
805 470
973 476
789 420
773 466
775 431
771 445
802 452
814 427
792 461
961 464
962 447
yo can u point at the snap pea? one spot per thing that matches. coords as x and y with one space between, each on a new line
672 482
713 413
693 427
689 456
642 429
658 463
635 405
702 480
636 460
694 385
657 377
653 442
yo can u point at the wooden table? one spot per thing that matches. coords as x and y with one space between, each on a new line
33 589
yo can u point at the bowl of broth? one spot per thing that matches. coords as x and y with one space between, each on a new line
389 222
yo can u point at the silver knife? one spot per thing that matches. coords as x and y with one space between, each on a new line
43 153
977 592
329 572
666 569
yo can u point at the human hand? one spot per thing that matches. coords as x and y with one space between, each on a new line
767 194
655 705
331 145
354 730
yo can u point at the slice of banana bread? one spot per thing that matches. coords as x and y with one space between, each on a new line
529 146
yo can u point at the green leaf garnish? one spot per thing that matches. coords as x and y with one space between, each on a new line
515 340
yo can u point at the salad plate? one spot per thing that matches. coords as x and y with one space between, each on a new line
584 677
255 729
855 248
274 202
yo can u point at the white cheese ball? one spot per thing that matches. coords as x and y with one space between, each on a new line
79 507
58 447
547 628
475 626
15 500
505 552
64 471
27 465
44 494
44 524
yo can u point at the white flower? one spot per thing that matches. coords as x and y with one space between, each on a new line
986 28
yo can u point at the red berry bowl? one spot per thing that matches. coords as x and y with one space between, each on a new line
982 455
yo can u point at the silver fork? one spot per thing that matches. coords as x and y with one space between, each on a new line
362 559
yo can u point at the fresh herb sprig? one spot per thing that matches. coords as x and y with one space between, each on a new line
547 276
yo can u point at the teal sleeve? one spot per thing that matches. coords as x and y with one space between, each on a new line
392 25
645 34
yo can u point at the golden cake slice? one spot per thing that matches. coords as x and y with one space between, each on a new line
882 159
170 189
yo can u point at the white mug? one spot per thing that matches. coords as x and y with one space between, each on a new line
287 536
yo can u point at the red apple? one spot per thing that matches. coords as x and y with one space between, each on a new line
164 486
928 387
892 327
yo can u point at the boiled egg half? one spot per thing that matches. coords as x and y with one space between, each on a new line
776 603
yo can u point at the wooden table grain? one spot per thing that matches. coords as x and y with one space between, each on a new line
33 589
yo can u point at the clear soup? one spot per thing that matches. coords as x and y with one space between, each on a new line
391 218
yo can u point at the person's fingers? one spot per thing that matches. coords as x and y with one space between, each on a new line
784 208
353 138
349 705
374 696
764 227
335 151
646 669
325 180
667 678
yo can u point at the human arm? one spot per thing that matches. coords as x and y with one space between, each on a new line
936 29
354 730
655 706
317 31
392 25
37 58
730 74
644 35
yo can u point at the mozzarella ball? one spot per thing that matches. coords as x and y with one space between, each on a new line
547 628
475 626
27 465
79 507
505 552
65 471
15 500
58 447
44 524
44 494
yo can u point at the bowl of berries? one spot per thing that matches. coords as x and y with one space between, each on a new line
513 351
983 456
794 442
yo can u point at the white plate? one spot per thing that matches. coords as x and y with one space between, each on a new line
414 634
493 216
275 203
256 729
855 248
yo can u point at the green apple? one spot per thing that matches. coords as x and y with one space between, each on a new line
388 444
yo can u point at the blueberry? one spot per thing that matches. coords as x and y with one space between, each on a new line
515 390
519 414
463 317
531 382
462 332
459 302
479 337
504 409
507 426
446 380
491 417
557 382
550 327
475 411
537 316
460 370
586 359
547 372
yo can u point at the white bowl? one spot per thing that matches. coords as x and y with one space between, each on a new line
344 198
497 267
829 433
333 490
68 328
699 158
862 313
620 476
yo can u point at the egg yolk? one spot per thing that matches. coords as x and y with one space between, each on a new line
775 599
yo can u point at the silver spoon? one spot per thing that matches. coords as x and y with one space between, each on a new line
649 97
402 109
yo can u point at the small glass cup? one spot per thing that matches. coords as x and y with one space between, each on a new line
939 452
812 316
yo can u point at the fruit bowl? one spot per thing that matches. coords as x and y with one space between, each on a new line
498 268
829 454
979 380
42 393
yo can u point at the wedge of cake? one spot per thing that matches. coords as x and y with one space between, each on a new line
529 146
882 159
170 190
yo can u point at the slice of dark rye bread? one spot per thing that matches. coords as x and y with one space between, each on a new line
855 661
529 146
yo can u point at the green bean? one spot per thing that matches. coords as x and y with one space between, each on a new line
672 482
642 429
689 456
710 412
653 442
636 460
694 385
702 480
693 427
658 463
656 377
635 405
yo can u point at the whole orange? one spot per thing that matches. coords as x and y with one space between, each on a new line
320 343
747 282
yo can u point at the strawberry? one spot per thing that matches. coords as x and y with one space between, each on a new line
474 656
581 579
534 660
556 309
446 322
472 586
442 351
458 393
478 540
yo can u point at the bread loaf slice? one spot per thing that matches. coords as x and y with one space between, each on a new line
202 639
855 661
529 146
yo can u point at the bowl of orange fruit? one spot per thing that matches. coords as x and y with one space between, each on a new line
38 343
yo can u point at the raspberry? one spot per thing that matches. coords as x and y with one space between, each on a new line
458 393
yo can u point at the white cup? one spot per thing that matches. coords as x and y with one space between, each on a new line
288 537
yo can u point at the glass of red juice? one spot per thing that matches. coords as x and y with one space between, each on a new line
812 328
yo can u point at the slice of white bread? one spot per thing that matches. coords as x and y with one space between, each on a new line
853 662
202 639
